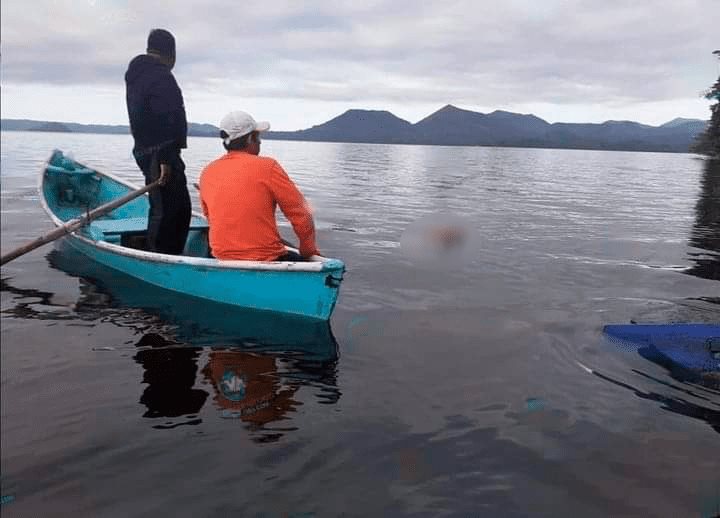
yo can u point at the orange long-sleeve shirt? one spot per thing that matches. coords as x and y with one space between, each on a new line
239 193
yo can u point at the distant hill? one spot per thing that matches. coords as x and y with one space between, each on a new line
454 126
194 129
355 126
51 126
683 122
30 125
451 126
203 130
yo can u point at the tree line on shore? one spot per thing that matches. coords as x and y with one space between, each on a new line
708 142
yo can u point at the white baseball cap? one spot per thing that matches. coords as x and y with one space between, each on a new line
239 123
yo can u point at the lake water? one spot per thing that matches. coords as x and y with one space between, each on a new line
459 387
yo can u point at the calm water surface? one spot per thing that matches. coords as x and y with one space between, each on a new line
441 389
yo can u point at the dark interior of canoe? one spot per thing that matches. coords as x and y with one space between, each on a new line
132 233
71 190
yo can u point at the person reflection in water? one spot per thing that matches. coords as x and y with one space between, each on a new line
170 377
247 386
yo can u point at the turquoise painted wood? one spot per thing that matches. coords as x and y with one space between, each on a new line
68 189
202 322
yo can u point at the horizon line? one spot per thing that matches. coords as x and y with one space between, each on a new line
372 110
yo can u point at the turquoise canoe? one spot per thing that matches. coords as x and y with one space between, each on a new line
189 320
68 190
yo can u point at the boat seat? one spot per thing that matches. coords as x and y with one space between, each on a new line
129 226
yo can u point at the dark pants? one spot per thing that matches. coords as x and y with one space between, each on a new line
170 207
291 256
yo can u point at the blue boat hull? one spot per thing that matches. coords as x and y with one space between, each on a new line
68 189
691 346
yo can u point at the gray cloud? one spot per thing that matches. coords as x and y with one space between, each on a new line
489 53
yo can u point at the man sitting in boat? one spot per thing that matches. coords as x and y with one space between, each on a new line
239 192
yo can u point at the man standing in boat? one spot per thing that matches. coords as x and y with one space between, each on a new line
159 127
239 192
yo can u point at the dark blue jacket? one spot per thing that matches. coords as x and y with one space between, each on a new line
155 108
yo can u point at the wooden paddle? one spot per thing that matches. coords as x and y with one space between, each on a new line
74 224
286 243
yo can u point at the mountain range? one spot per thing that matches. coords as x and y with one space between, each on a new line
451 126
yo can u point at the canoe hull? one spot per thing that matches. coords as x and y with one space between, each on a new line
309 294
307 289
194 321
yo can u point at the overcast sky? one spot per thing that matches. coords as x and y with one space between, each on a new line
297 64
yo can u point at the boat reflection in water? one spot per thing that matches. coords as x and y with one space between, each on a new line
253 362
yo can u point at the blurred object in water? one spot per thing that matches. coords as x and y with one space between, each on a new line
439 240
